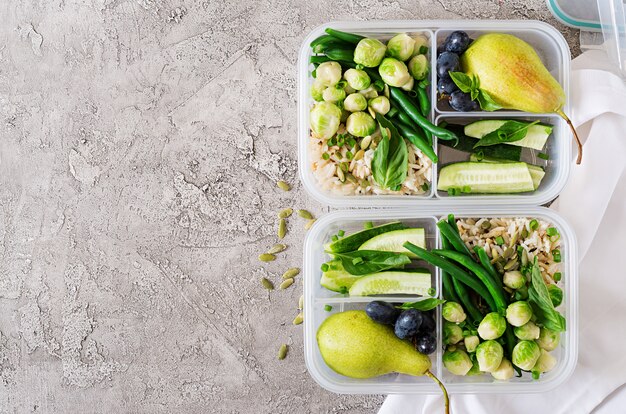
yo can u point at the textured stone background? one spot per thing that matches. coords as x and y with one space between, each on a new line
140 143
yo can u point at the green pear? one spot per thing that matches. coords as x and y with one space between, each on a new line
512 73
355 346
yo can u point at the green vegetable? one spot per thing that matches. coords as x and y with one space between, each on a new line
408 86
466 144
317 90
418 67
509 132
529 331
422 97
421 45
472 86
548 339
514 279
335 277
328 308
452 333
499 240
334 94
355 240
526 354
340 54
325 119
392 283
453 312
330 43
486 263
390 160
423 305
556 295
328 73
357 79
504 372
394 72
539 297
453 237
363 262
457 362
416 139
401 46
534 136
392 241
369 52
519 313
471 342
488 178
380 105
492 326
347 37
360 124
534 224
355 102
489 355
369 92
545 363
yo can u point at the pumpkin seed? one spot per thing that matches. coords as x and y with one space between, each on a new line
267 257
485 225
305 214
285 213
301 302
524 233
365 142
359 154
283 185
341 175
351 178
282 228
494 253
524 257
508 252
514 239
286 283
510 264
499 267
290 273
298 319
309 224
282 351
277 248
267 284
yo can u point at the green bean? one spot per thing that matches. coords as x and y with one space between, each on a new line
452 222
448 288
413 112
331 44
392 112
429 136
496 293
319 59
422 97
463 295
453 236
417 140
484 260
320 40
346 37
454 271
340 54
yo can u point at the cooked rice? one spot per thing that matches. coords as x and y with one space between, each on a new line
537 243
358 178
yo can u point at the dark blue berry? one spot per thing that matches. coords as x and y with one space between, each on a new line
426 343
382 312
457 42
428 324
408 323
446 86
462 102
447 62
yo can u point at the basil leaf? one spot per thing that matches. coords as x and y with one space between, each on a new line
423 305
539 298
487 103
371 261
510 131
391 157
463 81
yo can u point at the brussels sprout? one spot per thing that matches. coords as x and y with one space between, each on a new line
348 89
325 119
409 85
489 355
545 363
471 342
457 362
514 279
556 295
357 78
317 90
529 331
355 102
329 73
452 333
380 105
521 293
334 94
453 312
421 45
548 339
344 115
401 46
518 313
418 67
394 72
369 92
492 326
369 52
474 370
360 124
504 372
526 354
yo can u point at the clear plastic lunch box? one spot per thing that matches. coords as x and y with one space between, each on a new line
316 298
554 52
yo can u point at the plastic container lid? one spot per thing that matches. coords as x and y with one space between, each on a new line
581 14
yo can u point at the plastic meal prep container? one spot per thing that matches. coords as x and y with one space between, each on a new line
316 298
553 51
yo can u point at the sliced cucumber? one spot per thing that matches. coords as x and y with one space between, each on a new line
484 177
535 138
466 144
536 172
336 278
352 242
392 241
393 282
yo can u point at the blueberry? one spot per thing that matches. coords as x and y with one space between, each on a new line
408 323
428 324
426 343
446 86
382 312
462 102
447 62
457 42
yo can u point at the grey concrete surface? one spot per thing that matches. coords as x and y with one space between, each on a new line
140 143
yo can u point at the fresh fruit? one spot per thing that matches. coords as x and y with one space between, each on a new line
462 102
392 241
428 323
512 73
382 312
447 62
481 177
456 42
353 345
353 241
392 282
446 86
426 343
408 323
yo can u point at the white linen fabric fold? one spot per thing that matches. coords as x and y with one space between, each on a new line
594 202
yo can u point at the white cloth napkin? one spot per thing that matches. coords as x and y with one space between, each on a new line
594 202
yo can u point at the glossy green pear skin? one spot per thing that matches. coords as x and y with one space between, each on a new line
355 346
511 72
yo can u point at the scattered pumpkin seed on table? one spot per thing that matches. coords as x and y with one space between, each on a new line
290 273
301 302
305 214
298 319
267 257
286 283
282 351
282 228
285 213
267 284
309 224
283 185
277 248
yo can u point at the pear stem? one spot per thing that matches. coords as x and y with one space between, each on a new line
446 398
571 126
